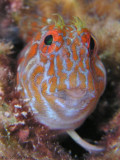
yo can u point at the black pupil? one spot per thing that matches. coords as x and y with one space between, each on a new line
92 44
48 40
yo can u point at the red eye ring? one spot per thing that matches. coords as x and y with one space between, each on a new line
49 45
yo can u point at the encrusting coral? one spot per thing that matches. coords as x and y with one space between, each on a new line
20 135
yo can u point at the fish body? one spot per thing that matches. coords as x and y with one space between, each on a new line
61 75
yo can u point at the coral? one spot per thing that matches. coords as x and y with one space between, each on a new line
5 48
15 5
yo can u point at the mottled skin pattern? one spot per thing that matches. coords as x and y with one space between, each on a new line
63 80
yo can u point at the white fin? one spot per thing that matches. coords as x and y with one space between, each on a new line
87 146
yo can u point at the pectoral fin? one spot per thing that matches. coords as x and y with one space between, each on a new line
87 146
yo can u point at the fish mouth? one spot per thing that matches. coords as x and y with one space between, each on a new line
75 93
75 108
74 100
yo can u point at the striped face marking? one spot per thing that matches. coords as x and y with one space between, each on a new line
61 74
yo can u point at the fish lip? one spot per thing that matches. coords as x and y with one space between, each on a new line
77 93
74 99
74 93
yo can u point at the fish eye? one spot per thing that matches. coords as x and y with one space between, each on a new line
92 44
48 40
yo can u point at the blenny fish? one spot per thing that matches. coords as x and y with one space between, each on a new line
62 77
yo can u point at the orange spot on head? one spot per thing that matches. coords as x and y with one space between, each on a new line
71 35
52 56
44 87
77 42
43 58
39 79
73 79
100 87
35 90
24 77
67 54
62 75
69 64
44 49
51 48
82 80
87 63
81 65
76 69
32 52
82 52
69 29
58 38
74 52
62 84
38 73
26 85
84 30
85 38
57 48
64 33
51 69
99 72
53 82
38 70
68 42
59 64
90 82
